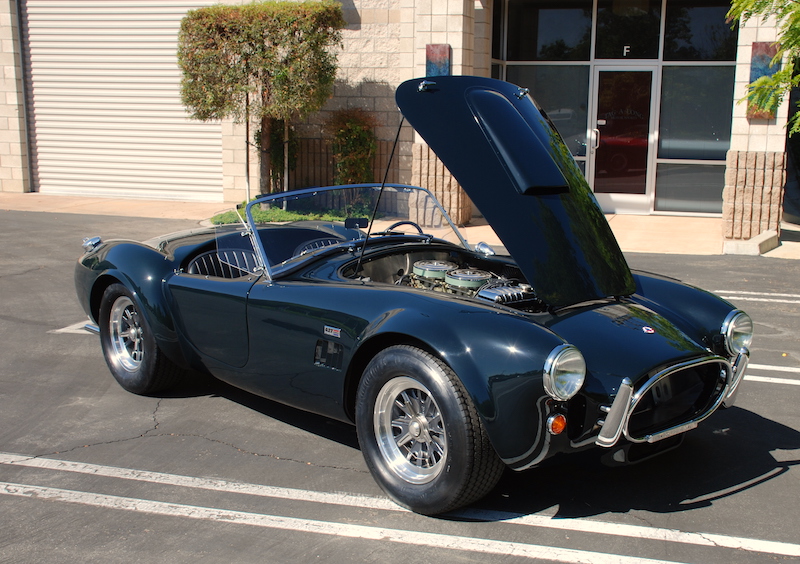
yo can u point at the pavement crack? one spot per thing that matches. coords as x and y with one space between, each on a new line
150 434
156 423
265 455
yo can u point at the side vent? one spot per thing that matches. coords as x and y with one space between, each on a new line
328 354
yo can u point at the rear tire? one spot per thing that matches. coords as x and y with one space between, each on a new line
129 347
420 434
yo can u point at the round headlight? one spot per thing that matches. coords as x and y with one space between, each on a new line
564 372
738 331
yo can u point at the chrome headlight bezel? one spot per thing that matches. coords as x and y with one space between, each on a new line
737 330
564 372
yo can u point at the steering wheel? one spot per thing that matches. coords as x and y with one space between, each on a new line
405 222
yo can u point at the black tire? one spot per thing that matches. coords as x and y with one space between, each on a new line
420 434
129 347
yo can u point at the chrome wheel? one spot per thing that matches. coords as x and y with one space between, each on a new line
127 336
410 431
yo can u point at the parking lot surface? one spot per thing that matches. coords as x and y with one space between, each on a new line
89 472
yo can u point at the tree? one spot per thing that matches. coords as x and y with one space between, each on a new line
259 61
769 91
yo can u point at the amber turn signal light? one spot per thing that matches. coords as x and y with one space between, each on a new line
556 424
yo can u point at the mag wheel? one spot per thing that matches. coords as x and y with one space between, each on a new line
129 347
420 434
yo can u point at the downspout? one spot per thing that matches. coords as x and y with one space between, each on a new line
23 68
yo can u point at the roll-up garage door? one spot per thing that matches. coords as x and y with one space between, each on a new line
104 107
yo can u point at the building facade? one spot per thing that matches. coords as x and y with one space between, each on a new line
645 93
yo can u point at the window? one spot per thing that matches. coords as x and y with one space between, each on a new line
628 29
697 31
696 112
563 93
554 30
689 188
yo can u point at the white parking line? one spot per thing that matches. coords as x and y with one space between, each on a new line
416 538
767 380
75 329
744 292
774 368
754 299
771 297
351 500
360 501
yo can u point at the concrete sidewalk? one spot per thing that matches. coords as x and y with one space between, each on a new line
635 233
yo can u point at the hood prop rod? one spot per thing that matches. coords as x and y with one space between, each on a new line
380 193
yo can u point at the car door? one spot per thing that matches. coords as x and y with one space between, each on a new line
302 335
211 313
210 300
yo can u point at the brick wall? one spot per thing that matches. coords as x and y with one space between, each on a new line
14 174
753 199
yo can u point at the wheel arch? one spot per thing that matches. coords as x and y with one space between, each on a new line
505 387
146 286
367 352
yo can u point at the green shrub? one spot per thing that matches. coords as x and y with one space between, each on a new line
354 145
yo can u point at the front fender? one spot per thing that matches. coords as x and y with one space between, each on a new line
498 357
696 312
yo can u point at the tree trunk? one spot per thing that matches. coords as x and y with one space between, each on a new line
265 182
286 155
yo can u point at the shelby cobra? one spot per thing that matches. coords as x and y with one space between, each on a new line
454 361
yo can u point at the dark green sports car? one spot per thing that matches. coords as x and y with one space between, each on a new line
453 360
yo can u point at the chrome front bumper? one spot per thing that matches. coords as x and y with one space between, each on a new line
615 424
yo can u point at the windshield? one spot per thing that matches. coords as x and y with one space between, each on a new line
289 227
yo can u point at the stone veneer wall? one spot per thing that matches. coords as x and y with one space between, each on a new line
14 172
429 172
754 184
756 163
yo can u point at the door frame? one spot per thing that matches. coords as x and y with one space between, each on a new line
625 203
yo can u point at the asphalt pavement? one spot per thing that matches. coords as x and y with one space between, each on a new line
208 473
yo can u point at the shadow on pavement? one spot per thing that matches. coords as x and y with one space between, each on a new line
729 453
199 384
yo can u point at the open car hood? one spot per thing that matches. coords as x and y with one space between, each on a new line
515 167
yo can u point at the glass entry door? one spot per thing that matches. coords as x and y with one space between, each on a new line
621 144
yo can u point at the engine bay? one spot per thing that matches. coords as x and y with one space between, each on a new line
492 280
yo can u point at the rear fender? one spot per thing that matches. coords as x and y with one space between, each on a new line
144 272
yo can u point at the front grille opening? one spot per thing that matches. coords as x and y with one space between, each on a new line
676 399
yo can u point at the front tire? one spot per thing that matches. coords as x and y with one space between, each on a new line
129 347
420 434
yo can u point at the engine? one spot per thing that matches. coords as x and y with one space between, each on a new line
448 277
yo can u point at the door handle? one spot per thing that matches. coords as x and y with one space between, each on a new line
595 139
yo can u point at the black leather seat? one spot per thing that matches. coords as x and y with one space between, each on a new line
229 263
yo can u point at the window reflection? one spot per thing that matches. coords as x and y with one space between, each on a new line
563 93
689 188
696 112
628 29
497 29
551 30
697 31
